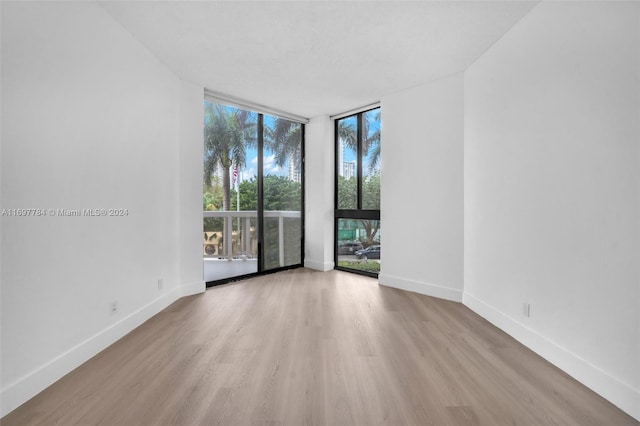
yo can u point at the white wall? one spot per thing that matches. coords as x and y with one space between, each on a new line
552 190
190 188
90 119
319 193
422 189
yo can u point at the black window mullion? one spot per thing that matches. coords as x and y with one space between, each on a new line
335 190
302 192
337 166
358 214
260 204
359 161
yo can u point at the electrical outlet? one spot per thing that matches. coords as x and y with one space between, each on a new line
113 306
526 309
160 283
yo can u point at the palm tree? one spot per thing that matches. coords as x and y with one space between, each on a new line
227 134
371 140
347 133
285 141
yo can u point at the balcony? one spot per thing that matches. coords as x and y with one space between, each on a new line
230 246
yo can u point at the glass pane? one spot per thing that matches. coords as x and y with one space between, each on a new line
347 163
230 192
282 195
359 244
371 160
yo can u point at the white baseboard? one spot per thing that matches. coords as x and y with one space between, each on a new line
618 393
421 287
318 266
195 287
28 386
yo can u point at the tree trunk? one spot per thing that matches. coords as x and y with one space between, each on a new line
226 206
370 229
226 189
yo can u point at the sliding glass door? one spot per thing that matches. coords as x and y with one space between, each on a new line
282 192
252 199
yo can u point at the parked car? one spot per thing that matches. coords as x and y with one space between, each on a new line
349 247
371 252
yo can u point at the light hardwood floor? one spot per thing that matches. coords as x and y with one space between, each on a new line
311 348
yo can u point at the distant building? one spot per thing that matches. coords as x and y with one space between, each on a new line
294 172
348 169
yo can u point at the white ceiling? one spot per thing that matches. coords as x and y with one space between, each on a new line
314 58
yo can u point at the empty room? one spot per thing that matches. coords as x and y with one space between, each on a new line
195 196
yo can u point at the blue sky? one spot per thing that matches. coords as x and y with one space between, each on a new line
251 167
349 154
270 168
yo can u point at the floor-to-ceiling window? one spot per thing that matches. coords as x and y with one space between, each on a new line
253 192
357 203
282 192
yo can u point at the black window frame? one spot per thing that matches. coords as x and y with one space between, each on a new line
260 208
358 212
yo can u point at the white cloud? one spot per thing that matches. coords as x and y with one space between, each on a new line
247 174
269 166
268 161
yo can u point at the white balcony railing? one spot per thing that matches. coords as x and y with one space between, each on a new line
243 237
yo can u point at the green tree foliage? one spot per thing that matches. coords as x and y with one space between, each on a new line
348 189
213 196
362 265
284 140
347 193
248 195
370 201
371 192
279 193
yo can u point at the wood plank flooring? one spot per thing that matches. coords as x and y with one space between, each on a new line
311 348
